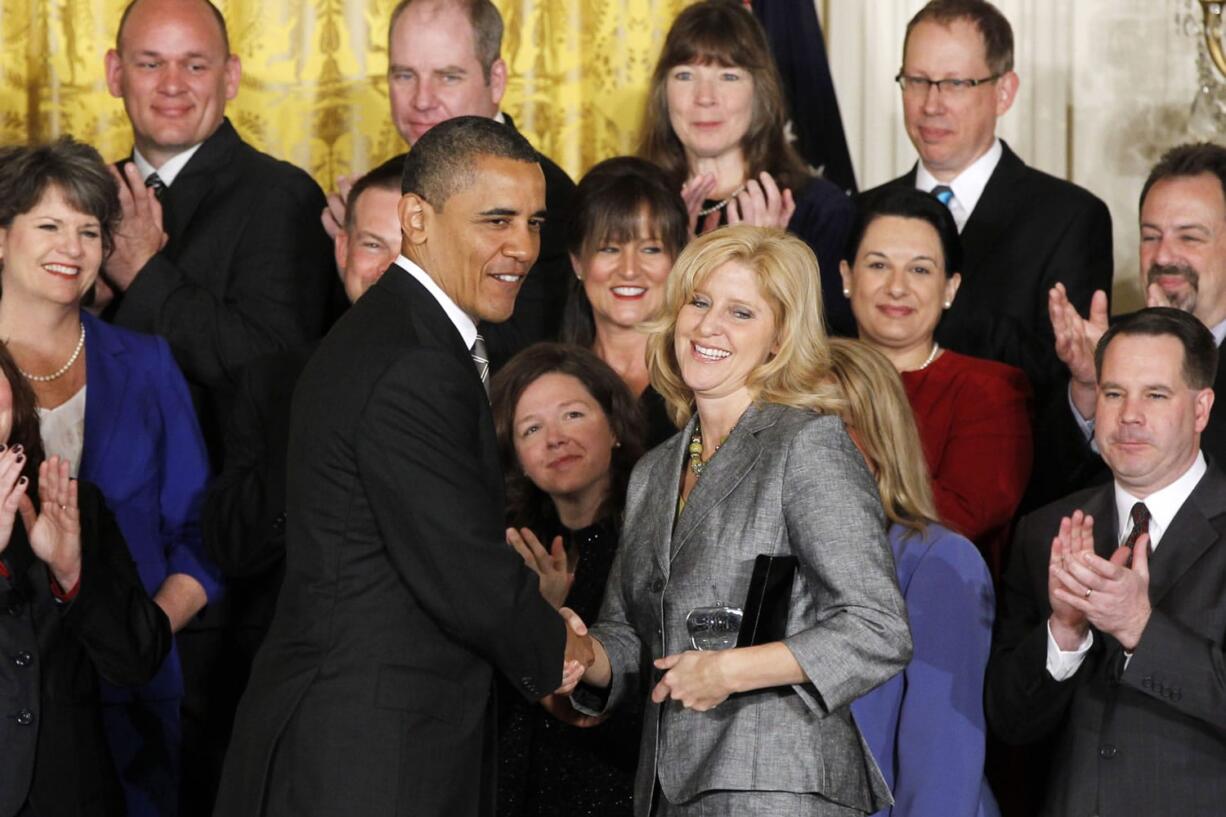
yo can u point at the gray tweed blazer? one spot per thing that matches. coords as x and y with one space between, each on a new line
786 481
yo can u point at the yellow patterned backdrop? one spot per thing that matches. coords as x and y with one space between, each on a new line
314 90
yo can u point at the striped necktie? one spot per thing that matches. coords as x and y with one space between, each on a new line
155 181
1140 525
482 360
944 193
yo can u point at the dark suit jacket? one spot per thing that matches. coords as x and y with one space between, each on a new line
1146 739
144 450
244 517
248 270
370 693
55 759
1028 231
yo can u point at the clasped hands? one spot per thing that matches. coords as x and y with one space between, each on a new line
1085 589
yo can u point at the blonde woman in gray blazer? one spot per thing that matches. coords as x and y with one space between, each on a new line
763 466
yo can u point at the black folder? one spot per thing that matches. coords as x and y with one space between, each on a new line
766 604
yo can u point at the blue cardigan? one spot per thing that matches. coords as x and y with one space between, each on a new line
926 725
144 450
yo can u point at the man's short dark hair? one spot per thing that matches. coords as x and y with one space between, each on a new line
384 177
486 21
1183 161
443 161
217 15
1199 347
993 27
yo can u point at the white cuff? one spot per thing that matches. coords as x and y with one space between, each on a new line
1062 665
1086 426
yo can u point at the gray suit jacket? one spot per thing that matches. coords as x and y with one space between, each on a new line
1149 738
787 481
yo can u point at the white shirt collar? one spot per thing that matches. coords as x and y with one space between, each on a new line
1219 332
500 118
168 171
463 323
967 186
1163 504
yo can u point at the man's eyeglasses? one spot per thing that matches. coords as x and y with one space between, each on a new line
918 86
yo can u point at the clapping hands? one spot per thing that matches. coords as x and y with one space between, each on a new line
140 234
1076 339
54 531
1086 589
759 202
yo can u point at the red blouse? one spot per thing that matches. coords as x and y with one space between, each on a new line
974 422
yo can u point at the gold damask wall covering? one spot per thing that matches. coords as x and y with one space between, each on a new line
314 90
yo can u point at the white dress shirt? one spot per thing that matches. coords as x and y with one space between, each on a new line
1162 504
967 186
463 323
168 171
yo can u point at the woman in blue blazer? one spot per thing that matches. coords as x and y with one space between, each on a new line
925 727
112 402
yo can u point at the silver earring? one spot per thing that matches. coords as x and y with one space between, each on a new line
846 292
948 304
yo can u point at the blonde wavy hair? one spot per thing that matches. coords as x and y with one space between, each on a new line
798 374
879 418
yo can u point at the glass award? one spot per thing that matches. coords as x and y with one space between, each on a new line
714 628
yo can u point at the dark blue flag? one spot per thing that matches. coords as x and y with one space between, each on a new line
795 36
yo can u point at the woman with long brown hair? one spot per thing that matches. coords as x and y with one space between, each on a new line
716 122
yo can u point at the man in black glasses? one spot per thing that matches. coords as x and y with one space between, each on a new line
1022 230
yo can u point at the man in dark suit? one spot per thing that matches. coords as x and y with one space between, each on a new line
1022 230
444 61
1112 617
370 694
1182 264
219 251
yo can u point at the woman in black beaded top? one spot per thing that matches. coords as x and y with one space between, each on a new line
569 432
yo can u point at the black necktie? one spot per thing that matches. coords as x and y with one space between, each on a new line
482 360
1140 525
159 186
944 193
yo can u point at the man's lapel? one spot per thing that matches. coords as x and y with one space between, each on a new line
197 179
1191 533
994 212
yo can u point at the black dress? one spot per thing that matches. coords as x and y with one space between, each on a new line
547 767
655 415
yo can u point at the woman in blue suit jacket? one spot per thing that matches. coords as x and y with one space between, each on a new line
926 726
132 432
